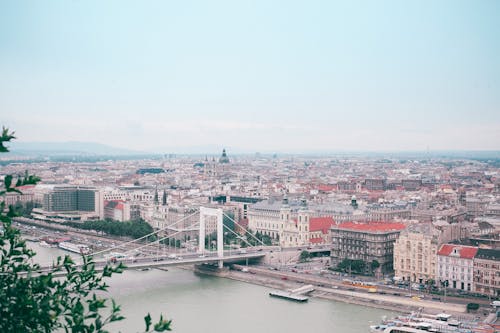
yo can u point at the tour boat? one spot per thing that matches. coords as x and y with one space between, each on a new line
76 248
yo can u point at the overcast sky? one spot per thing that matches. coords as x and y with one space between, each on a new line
291 76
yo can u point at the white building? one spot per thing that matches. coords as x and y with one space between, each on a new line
455 264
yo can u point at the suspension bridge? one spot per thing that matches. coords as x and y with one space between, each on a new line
142 253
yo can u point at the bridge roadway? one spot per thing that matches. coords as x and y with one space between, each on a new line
167 260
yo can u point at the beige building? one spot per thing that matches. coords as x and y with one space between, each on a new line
415 253
265 218
295 232
304 229
26 195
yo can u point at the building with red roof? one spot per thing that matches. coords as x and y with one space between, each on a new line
118 210
319 229
455 266
304 230
369 242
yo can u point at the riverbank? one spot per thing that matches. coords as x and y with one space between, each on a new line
279 280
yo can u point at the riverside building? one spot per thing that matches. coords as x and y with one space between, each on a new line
455 266
367 241
487 272
70 203
415 253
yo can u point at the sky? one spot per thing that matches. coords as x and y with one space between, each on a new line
284 76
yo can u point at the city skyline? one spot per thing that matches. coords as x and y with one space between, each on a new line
263 76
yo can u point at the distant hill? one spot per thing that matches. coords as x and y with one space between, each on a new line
67 148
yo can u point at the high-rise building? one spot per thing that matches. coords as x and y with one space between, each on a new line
73 203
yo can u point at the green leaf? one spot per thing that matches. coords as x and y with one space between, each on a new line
148 321
8 181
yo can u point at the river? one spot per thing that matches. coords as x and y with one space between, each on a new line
210 304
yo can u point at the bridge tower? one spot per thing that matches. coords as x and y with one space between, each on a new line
217 213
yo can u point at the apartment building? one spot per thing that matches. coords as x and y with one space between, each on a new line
367 241
455 266
415 253
487 272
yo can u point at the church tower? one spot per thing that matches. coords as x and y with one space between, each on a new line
303 223
164 198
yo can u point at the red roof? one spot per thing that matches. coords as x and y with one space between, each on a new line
320 223
372 226
325 188
465 252
316 240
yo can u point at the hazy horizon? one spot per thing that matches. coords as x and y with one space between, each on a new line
257 76
93 148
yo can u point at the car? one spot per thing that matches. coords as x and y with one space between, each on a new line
202 256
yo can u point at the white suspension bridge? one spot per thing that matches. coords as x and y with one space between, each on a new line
131 251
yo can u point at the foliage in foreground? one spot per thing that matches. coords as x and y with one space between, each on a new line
36 301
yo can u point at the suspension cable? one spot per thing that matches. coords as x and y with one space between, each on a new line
244 229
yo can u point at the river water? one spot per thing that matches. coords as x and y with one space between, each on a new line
199 303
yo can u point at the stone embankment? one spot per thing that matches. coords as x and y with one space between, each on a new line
334 290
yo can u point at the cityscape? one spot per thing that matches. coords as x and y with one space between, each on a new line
259 166
394 233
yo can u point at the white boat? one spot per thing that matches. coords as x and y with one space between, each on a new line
417 322
76 248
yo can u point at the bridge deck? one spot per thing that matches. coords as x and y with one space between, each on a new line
151 262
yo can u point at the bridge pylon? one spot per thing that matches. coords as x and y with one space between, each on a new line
217 213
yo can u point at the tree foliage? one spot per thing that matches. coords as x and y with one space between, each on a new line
374 264
304 256
356 266
134 229
32 300
22 208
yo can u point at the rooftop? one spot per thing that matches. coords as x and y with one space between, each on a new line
488 254
320 223
464 252
374 227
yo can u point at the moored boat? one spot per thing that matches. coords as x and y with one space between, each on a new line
76 248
